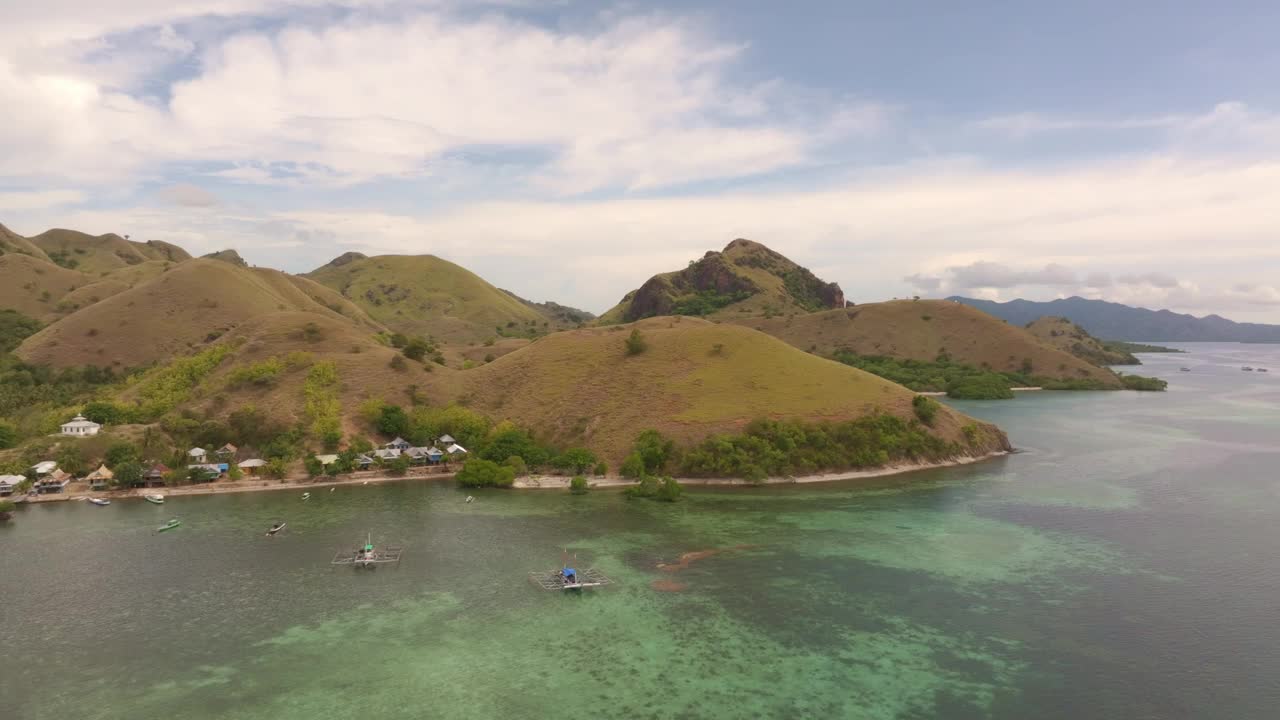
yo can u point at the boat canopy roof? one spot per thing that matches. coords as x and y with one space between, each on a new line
570 571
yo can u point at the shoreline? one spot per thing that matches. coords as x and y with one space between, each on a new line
559 482
535 482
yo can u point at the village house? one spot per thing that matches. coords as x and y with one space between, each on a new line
99 479
424 455
445 440
79 427
364 461
398 444
327 459
54 482
9 484
252 465
387 454
154 476
197 455
226 452
455 451
44 467
211 471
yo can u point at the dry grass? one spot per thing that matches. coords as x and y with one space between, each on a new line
696 378
424 295
12 242
104 253
192 304
922 330
34 287
1070 337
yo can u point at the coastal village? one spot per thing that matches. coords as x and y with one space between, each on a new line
224 465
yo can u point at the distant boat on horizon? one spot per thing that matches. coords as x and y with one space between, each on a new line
1246 368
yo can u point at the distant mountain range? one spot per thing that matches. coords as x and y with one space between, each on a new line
1113 321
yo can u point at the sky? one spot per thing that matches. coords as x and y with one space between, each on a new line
569 150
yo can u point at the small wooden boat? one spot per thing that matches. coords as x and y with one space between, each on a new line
1184 369
100 501
276 528
157 499
369 556
306 496
1246 368
169 525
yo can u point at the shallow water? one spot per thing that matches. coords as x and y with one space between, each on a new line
1126 565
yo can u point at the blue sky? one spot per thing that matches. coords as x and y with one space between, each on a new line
566 151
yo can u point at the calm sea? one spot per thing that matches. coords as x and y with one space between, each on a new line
1126 564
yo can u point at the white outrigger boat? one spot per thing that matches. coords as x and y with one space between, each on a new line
157 499
568 578
100 501
275 528
306 496
369 556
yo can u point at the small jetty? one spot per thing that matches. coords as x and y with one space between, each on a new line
368 555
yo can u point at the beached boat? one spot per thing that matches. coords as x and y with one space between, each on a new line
169 525
276 528
157 499
100 501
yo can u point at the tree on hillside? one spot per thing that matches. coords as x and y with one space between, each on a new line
127 473
107 413
392 421
633 466
8 435
120 453
71 458
575 460
926 408
416 349
636 343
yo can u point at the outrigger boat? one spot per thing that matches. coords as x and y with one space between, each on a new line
306 496
276 528
369 556
568 578
157 499
175 522
100 501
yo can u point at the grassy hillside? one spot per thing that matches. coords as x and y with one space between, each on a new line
192 304
1067 336
746 278
12 242
102 253
927 330
424 295
34 287
696 378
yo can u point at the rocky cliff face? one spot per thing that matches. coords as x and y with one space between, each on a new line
743 270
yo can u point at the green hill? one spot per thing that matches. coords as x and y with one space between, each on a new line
746 278
1070 337
581 387
928 330
424 295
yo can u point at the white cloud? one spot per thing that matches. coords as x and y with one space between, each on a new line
12 202
637 102
188 195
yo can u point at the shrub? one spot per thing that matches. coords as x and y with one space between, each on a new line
128 473
655 451
392 421
517 465
312 333
6 510
670 490
107 413
988 386
633 466
926 408
121 453
276 468
234 472
507 440
313 466
399 465
416 349
8 435
1146 384
578 485
398 363
575 460
970 433
485 473
261 374
320 390
601 469
636 343
646 488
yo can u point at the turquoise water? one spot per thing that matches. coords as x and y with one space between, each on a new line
1125 565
